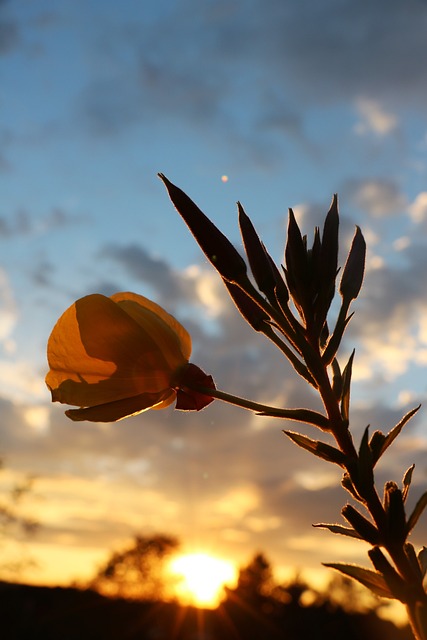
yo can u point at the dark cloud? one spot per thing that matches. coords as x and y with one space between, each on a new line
156 272
193 63
23 223
9 36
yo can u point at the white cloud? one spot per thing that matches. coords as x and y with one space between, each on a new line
374 118
8 310
418 209
378 197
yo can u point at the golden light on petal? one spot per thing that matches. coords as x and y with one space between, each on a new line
202 578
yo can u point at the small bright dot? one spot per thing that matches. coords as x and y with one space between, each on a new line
224 178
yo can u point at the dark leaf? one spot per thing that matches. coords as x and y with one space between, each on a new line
259 262
346 386
252 313
320 449
370 579
362 525
338 528
407 479
415 515
214 244
392 435
354 269
393 580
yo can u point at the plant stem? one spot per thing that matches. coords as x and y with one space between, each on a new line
299 415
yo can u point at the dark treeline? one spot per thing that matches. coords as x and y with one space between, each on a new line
256 609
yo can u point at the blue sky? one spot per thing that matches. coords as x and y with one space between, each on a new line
293 101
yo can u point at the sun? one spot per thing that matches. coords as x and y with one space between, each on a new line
202 578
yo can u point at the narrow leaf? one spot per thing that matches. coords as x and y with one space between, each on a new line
328 263
354 269
320 449
297 266
413 560
376 443
393 580
422 559
415 515
361 524
335 338
252 313
346 384
365 463
216 247
338 528
257 256
407 479
370 579
392 435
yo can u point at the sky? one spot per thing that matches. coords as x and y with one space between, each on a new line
293 102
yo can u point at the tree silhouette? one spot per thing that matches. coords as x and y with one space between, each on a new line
138 571
15 525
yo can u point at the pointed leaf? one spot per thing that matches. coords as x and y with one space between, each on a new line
258 260
338 528
422 559
376 443
361 524
328 263
336 379
370 579
407 479
346 384
252 313
392 435
365 466
216 247
335 338
348 485
297 266
354 269
413 560
415 515
320 449
393 580
396 517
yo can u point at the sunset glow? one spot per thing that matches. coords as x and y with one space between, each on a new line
202 578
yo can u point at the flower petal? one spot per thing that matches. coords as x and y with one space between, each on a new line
165 330
119 409
98 353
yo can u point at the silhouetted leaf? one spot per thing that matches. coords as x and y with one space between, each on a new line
371 579
338 528
214 244
415 515
422 559
354 269
320 449
392 435
407 479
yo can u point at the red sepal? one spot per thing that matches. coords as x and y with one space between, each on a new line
187 399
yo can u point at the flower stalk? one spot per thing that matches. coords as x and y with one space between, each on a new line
292 312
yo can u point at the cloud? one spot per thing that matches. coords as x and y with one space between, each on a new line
418 208
137 262
374 118
9 36
23 223
378 197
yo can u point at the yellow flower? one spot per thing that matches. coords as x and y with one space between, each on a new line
115 357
